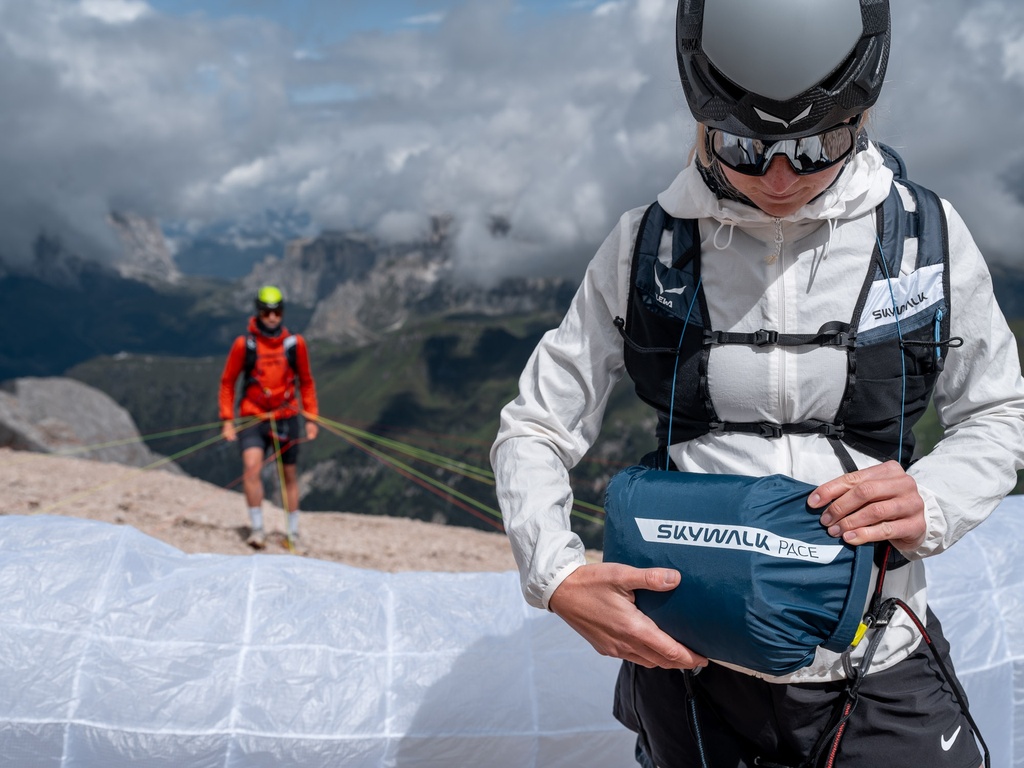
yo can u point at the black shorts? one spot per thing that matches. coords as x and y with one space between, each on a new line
905 716
261 435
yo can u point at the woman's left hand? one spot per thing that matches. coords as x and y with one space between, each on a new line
880 503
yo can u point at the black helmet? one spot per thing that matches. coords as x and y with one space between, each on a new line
269 297
784 69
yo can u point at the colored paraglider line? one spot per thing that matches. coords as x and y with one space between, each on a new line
446 492
279 460
446 438
450 494
240 424
412 451
587 505
466 470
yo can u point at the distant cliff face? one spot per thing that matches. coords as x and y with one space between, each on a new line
146 256
310 269
361 288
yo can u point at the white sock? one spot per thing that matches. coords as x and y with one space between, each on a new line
256 517
293 523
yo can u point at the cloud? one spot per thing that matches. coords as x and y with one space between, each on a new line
554 123
114 11
424 19
952 106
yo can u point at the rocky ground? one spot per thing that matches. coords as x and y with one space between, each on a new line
196 516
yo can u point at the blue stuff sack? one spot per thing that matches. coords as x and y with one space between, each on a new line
763 584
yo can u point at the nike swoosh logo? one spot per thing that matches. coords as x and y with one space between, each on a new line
947 743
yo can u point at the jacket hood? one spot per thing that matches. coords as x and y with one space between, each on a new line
863 184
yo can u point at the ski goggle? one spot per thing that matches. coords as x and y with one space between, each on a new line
268 311
806 155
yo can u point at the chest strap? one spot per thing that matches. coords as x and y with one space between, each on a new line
831 334
770 429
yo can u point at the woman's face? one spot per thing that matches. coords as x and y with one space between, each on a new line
781 191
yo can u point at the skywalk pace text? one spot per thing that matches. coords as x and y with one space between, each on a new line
739 537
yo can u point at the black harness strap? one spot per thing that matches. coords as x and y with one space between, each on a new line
831 334
771 430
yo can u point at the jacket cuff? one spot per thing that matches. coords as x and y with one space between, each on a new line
561 575
935 528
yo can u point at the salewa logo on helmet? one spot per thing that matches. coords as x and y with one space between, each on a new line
784 123
662 290
741 537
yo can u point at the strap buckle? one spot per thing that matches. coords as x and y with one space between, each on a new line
711 337
770 430
763 338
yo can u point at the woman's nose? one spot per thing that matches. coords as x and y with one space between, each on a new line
780 175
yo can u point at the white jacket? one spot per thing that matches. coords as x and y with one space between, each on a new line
790 275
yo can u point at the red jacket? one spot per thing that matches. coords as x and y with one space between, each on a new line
270 389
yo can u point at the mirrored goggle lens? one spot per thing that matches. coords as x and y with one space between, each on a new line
267 311
809 154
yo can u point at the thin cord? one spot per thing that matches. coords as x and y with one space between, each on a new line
675 373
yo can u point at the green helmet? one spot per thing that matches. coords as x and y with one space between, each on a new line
269 297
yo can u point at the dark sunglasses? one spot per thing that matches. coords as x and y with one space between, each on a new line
806 155
267 312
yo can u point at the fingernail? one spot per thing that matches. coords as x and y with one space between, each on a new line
814 499
834 530
850 537
826 519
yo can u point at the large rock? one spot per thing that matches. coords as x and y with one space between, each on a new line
64 416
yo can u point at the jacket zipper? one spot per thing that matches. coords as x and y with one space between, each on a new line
781 282
774 256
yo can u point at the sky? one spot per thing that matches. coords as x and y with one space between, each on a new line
556 116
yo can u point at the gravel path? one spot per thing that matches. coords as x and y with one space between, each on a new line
195 516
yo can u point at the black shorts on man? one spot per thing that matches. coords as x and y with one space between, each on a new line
262 435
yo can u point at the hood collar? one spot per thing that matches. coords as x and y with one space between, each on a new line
863 185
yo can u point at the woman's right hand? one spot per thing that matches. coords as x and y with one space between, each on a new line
597 601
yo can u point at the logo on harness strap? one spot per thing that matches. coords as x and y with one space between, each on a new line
739 537
902 297
662 290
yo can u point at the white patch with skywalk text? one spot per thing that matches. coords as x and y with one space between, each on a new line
911 294
740 537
